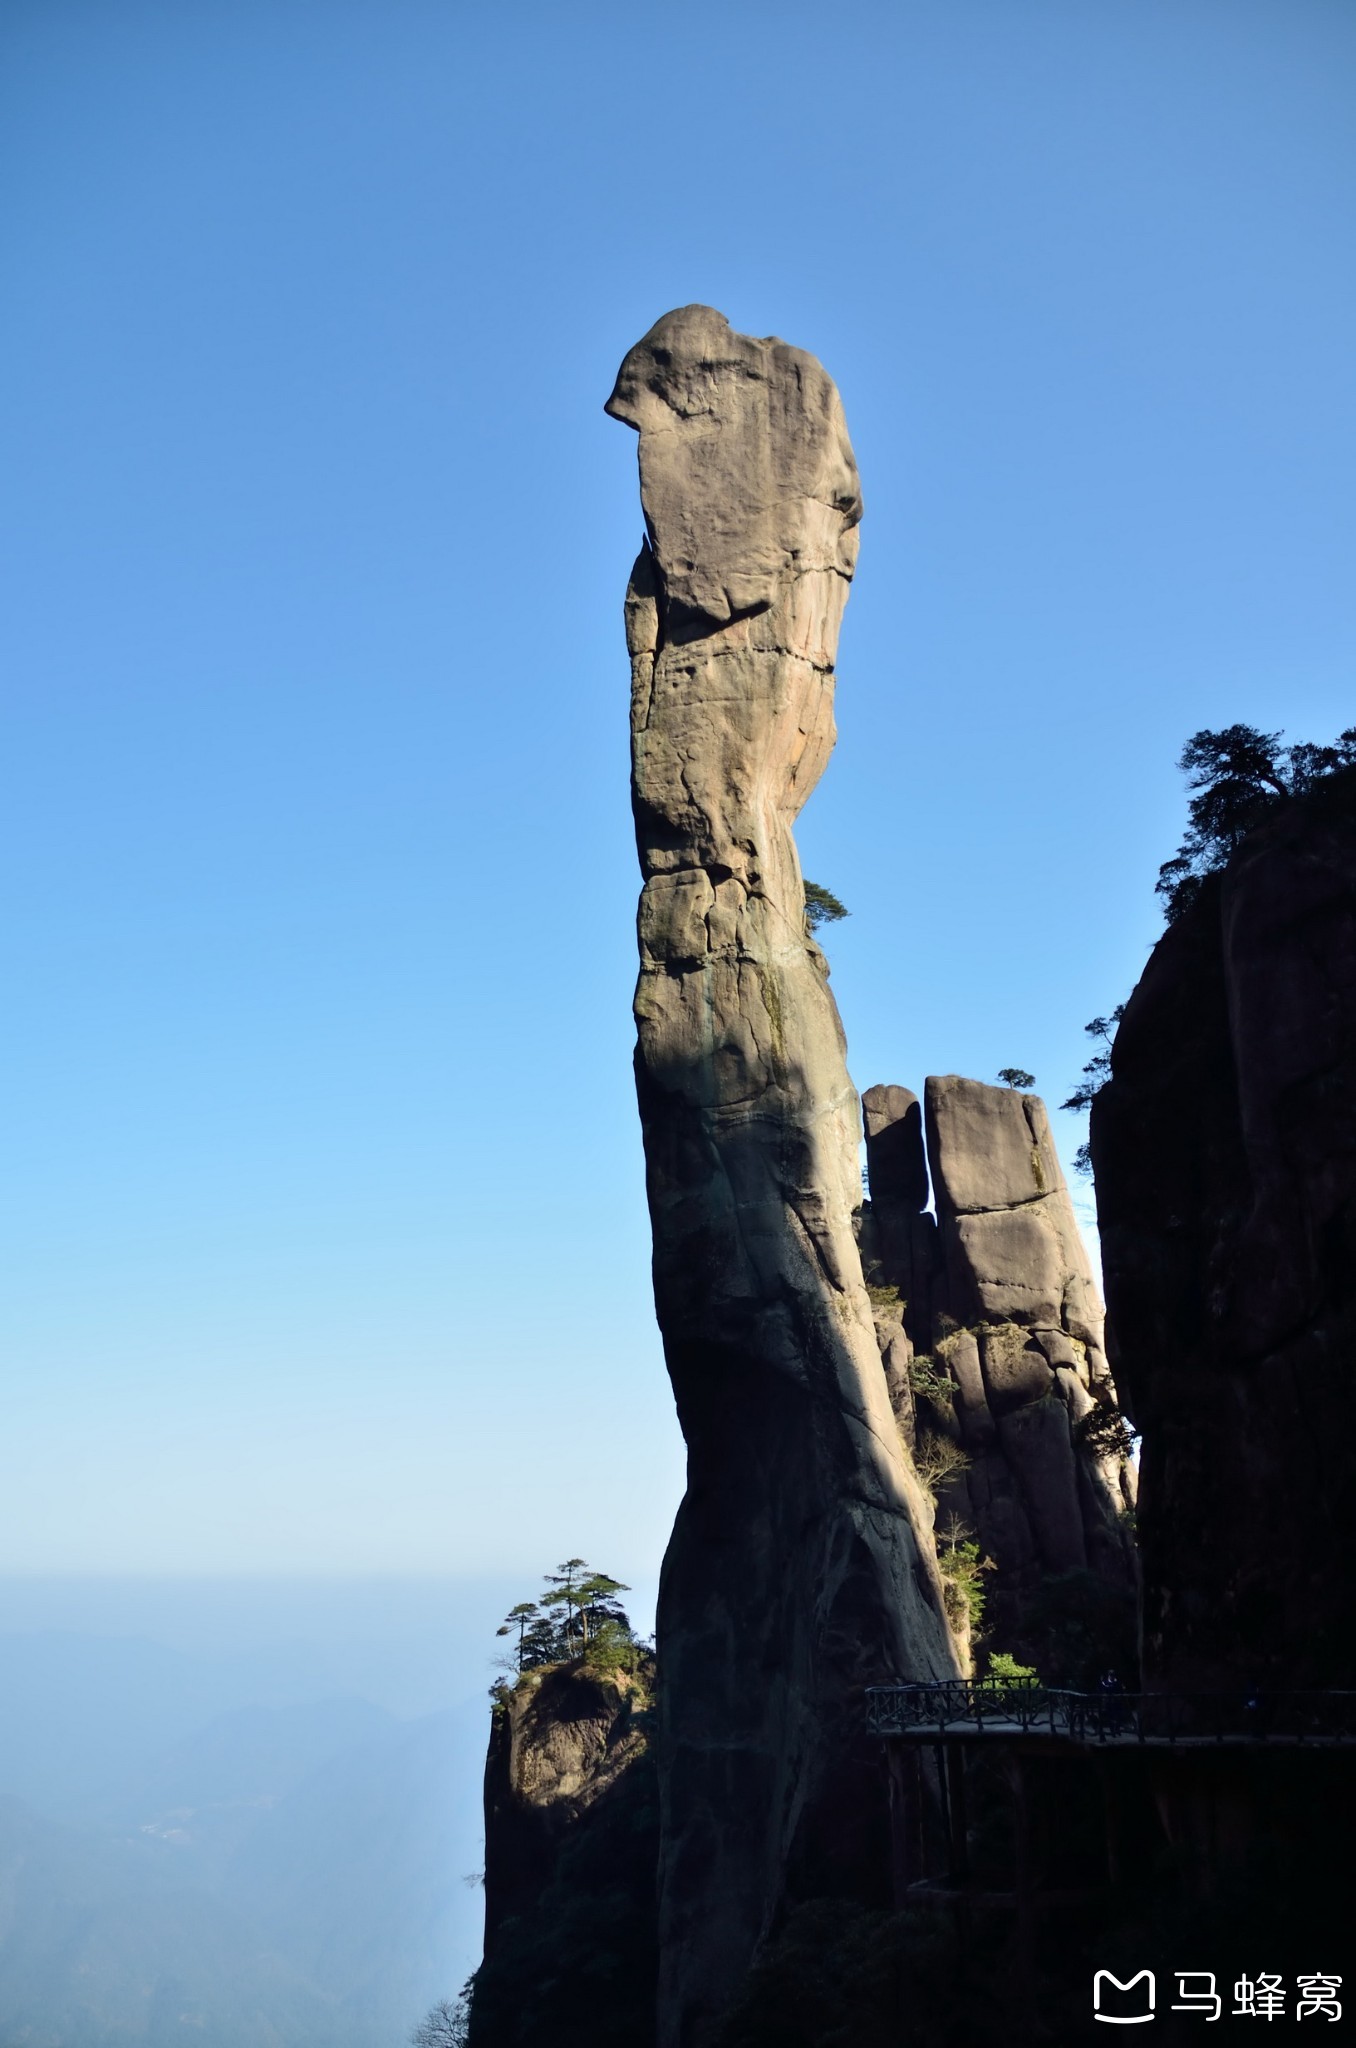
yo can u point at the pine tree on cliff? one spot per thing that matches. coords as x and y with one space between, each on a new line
588 1599
1239 775
579 1617
821 907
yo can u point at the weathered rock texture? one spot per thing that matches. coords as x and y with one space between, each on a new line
993 1347
800 1568
571 1843
1224 1147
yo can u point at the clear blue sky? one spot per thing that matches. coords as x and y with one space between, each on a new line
323 1214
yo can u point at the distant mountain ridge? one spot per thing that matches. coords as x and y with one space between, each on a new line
270 1876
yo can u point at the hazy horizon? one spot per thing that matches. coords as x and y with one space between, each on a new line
255 1803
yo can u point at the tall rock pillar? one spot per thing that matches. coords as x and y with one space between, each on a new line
799 1570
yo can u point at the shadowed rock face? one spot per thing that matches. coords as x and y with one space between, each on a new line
799 1570
571 1833
997 1297
560 1743
1225 1155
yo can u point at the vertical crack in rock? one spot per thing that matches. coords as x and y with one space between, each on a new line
801 1568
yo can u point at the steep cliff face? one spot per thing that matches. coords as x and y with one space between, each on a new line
571 1845
994 1345
1224 1148
799 1570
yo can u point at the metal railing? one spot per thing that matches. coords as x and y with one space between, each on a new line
961 1707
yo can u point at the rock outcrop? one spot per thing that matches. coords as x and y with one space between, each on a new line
1224 1147
800 1568
571 1844
992 1345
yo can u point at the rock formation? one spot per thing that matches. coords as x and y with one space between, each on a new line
1224 1147
990 1329
800 1568
571 1839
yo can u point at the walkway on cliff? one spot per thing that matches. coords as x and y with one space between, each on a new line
1031 1714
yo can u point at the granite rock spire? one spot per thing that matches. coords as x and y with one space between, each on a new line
800 1568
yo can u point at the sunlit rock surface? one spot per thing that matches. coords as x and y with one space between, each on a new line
800 1568
993 1346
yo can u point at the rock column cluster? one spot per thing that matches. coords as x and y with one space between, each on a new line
990 1329
800 1568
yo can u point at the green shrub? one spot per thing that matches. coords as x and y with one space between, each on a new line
960 1562
1005 1668
929 1377
612 1647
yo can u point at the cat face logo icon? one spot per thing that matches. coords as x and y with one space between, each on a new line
1109 1990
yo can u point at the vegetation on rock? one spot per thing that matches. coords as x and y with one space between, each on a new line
1005 1670
960 1563
1104 1432
1239 776
1098 1069
1096 1073
937 1458
885 1297
578 1617
821 907
446 2024
929 1379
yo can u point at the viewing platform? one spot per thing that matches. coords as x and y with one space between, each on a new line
1030 1714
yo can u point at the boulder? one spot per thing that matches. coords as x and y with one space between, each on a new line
1014 1367
989 1148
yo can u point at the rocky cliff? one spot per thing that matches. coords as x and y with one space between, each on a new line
571 1843
990 1330
1224 1148
800 1568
